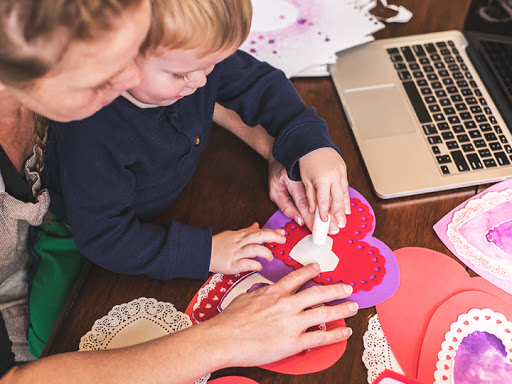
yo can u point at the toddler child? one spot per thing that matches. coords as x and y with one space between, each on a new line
112 174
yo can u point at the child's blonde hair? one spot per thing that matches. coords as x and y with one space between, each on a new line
206 26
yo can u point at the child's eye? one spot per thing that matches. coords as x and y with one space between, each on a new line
103 87
180 77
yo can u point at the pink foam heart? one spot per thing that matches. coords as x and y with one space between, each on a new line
233 380
448 313
427 279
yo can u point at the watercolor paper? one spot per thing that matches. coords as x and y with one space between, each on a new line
293 35
427 279
479 233
468 340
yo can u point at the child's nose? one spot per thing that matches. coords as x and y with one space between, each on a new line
129 78
197 79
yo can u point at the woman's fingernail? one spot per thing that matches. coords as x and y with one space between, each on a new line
335 231
298 220
353 306
347 332
342 223
348 289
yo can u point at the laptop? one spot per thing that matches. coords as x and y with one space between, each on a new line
432 112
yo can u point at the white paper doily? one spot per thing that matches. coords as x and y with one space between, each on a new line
133 323
377 354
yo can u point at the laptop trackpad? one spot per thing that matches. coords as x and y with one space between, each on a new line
379 112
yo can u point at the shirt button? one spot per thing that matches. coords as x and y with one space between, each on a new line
197 140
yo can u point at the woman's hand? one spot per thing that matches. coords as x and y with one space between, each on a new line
270 323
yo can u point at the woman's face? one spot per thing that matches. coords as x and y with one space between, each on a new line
91 74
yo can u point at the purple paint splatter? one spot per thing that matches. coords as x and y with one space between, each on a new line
481 358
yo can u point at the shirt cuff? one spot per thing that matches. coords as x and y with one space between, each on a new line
193 252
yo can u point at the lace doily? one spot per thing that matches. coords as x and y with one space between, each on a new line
377 354
476 320
473 209
133 323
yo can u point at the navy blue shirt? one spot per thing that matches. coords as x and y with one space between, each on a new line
112 174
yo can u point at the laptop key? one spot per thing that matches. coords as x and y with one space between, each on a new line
430 48
445 170
498 129
490 163
447 135
479 143
443 159
460 161
475 134
501 158
484 153
485 127
508 149
435 140
429 129
465 116
503 139
458 128
404 75
468 147
474 160
417 102
490 136
436 149
452 145
407 52
393 51
495 146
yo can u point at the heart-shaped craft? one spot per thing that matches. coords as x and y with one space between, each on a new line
427 279
479 233
233 380
468 340
205 305
365 262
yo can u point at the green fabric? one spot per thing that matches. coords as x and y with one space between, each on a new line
55 265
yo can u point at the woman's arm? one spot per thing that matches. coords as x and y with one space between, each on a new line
270 323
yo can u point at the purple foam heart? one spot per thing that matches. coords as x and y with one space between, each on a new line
480 358
276 269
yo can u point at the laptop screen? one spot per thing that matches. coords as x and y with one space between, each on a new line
490 17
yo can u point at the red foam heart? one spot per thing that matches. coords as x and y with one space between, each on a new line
233 380
361 265
310 361
427 279
447 313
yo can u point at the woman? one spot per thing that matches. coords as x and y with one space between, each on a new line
65 60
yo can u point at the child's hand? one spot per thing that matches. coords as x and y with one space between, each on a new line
232 251
324 175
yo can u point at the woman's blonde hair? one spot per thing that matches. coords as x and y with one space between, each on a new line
206 26
31 29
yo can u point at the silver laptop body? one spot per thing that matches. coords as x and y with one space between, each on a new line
398 154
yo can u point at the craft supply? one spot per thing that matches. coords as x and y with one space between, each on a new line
320 228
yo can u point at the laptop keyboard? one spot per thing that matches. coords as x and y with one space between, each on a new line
499 55
458 124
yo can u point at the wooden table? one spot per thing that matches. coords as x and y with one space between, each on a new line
229 191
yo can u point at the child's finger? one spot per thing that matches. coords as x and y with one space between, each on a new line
311 196
264 236
244 265
254 250
323 198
